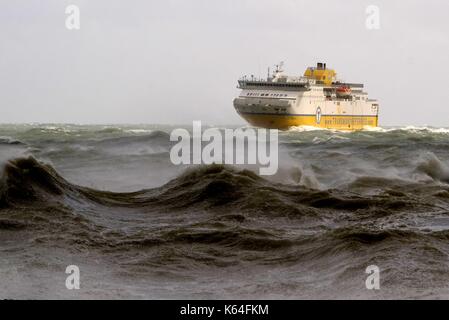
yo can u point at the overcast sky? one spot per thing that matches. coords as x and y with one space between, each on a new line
145 61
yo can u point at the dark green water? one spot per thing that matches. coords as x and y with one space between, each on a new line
108 199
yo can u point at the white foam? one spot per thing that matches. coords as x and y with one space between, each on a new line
427 129
137 131
309 128
414 129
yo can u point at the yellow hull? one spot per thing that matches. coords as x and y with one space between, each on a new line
339 122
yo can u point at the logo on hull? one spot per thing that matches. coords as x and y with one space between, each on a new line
318 115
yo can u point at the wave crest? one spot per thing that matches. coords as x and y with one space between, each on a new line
26 179
434 168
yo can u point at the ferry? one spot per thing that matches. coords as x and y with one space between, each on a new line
316 99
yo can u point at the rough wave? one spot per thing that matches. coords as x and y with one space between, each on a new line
434 168
27 182
340 202
9 141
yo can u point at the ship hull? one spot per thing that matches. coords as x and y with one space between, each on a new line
338 122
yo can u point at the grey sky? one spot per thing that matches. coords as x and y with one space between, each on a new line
176 61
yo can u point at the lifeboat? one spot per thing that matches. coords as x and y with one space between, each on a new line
343 91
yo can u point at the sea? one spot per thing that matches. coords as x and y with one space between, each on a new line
108 200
